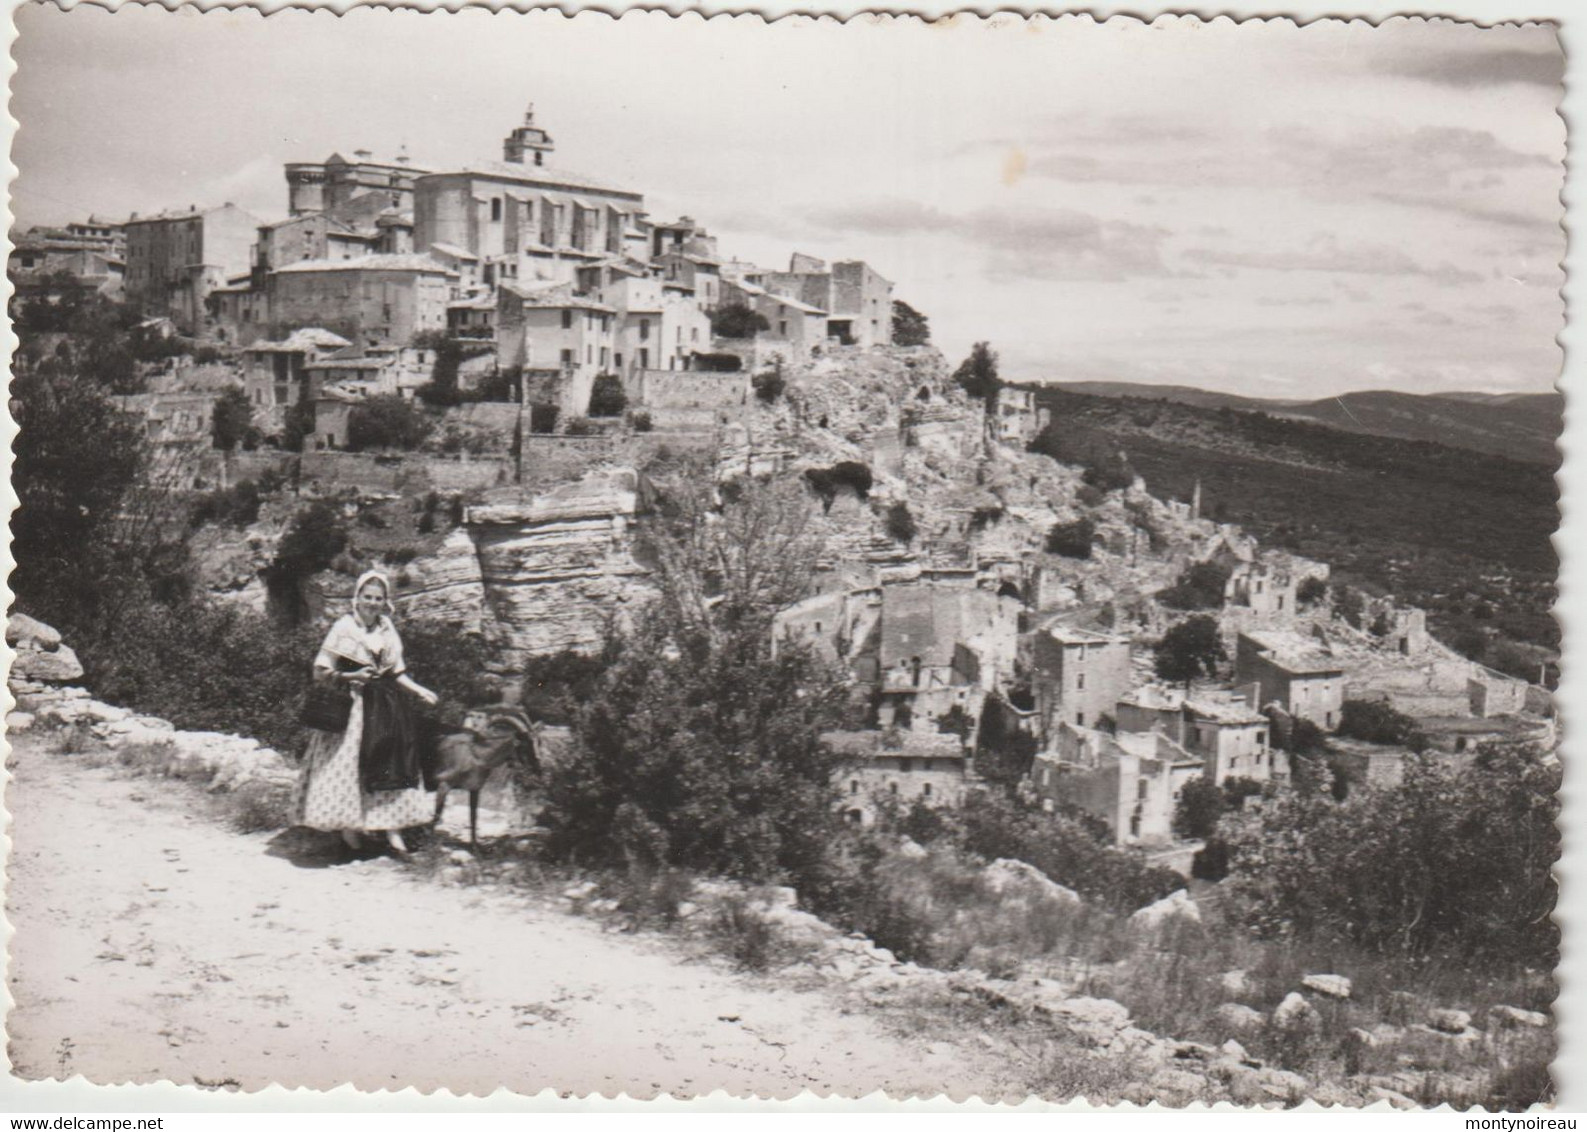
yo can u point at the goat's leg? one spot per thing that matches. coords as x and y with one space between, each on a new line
473 819
440 803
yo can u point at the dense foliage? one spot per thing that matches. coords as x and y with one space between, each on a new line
386 421
1199 586
1452 864
846 473
977 374
900 523
910 327
1191 648
738 321
769 385
231 421
607 398
1377 721
1072 540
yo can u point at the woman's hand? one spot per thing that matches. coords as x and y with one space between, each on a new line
429 697
358 677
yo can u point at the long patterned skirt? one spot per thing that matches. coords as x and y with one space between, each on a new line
328 795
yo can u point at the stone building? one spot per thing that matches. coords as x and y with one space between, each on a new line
373 300
657 329
857 301
548 327
1130 781
1298 673
276 374
1017 418
795 329
1077 675
1222 729
898 769
686 256
1493 693
44 257
337 184
175 259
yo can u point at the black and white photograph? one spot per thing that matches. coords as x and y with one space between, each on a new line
1005 557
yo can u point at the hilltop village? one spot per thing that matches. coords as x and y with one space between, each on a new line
999 614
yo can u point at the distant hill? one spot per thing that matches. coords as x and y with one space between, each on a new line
1521 426
1464 534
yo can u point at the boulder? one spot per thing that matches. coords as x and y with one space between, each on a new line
23 631
1234 1050
1448 1021
56 666
1017 879
1239 1017
1514 1016
911 850
1330 986
1176 907
18 721
1176 1087
1295 1013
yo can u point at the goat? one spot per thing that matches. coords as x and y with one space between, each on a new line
465 759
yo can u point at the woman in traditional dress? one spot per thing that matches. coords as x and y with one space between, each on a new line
367 778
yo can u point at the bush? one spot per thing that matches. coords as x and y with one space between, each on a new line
910 327
1311 591
640 422
231 419
769 385
1452 864
607 398
977 374
386 421
554 686
1072 540
900 523
582 426
543 418
847 473
718 363
1377 721
236 506
1199 807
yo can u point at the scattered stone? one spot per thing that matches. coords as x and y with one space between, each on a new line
1095 1011
1176 906
460 856
1177 1087
1237 1016
1233 1049
1235 983
19 721
1365 1038
55 666
940 1049
24 630
1295 1013
1009 877
580 891
1448 1021
687 908
1461 1037
911 850
1333 986
1194 1051
1397 1099
781 896
1516 1017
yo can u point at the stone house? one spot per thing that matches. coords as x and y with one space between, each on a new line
1298 673
656 329
941 646
857 300
91 253
336 184
276 374
795 328
374 300
686 256
548 326
1018 419
1222 729
175 259
1077 675
1493 693
1130 781
894 768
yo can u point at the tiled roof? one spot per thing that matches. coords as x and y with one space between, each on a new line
299 341
544 177
1294 652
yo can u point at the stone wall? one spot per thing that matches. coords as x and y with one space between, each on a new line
328 473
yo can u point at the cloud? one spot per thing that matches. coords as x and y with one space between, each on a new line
881 218
1325 253
1491 67
1457 206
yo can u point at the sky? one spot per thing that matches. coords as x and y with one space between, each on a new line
1258 208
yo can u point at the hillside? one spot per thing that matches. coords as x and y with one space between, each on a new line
1520 426
1465 535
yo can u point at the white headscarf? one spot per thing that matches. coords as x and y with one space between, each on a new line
367 577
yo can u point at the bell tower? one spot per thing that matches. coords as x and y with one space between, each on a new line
527 139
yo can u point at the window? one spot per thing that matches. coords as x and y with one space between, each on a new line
567 320
906 765
925 790
854 786
589 355
1080 681
892 788
644 330
495 208
782 328
567 357
1261 737
1080 719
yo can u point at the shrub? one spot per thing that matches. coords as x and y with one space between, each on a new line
582 426
1002 754
230 419
236 506
607 398
769 385
386 421
977 374
1199 807
1072 540
900 523
640 421
554 686
718 363
543 418
1377 721
1311 591
910 327
847 473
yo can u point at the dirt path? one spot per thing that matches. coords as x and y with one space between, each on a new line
152 944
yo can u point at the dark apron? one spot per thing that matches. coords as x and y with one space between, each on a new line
388 756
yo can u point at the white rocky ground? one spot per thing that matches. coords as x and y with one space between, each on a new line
153 944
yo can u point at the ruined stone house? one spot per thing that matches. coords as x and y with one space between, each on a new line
1222 729
901 769
1077 675
1130 781
1298 673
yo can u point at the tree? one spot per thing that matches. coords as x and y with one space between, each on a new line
1378 721
1200 585
977 374
738 321
1199 807
1190 649
1311 591
607 398
231 420
543 417
769 385
1072 540
910 327
386 421
1003 754
441 390
699 745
